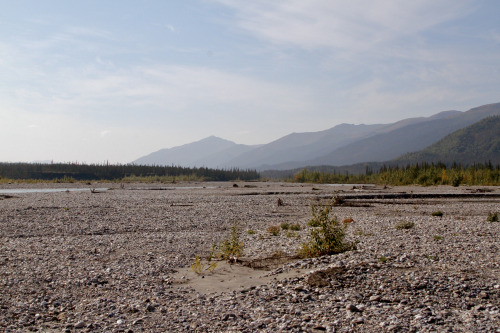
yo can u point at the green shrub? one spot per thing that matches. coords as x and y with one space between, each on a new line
437 238
404 225
492 217
328 237
231 247
285 226
251 232
438 213
295 227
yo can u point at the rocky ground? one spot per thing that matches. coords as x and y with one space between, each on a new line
119 260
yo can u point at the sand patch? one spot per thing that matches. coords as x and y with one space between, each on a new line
228 277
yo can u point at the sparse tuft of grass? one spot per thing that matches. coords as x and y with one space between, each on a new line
291 234
360 232
438 213
274 230
404 225
251 232
383 259
295 227
492 217
285 226
198 267
437 238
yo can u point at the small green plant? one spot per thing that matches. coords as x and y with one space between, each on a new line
285 226
383 259
328 237
251 232
295 227
492 217
437 213
274 230
404 225
360 232
231 247
198 267
437 238
291 234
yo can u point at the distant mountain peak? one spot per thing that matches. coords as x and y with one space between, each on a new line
343 144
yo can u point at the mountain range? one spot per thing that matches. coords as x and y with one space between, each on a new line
479 142
343 144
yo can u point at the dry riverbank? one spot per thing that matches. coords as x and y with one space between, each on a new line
118 260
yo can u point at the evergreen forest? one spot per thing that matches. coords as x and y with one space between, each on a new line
69 172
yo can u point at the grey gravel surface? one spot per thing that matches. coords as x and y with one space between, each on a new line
112 261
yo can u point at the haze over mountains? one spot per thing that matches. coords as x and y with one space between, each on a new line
344 144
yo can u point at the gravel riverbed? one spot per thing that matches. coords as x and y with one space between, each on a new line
119 260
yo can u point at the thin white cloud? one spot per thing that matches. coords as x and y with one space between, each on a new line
349 25
278 67
105 133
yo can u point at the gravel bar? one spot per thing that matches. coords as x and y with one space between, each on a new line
118 260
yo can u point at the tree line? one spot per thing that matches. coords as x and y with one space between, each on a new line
426 174
116 172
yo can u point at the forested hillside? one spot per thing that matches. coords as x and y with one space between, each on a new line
477 143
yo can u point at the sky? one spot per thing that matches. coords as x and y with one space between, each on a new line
98 81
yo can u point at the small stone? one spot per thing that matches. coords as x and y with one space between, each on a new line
80 324
352 308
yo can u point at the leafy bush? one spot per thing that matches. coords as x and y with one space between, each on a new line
328 235
295 227
404 225
492 217
251 232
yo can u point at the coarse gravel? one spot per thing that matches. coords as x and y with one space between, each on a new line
118 260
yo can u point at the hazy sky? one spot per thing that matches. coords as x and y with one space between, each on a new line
92 81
